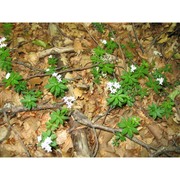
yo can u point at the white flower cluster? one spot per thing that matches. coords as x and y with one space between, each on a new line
157 53
50 56
8 75
58 77
160 80
1 42
113 86
46 144
103 41
69 100
133 68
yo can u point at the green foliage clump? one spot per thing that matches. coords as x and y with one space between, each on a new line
7 29
129 128
13 80
99 27
57 88
155 111
164 109
5 60
57 118
119 99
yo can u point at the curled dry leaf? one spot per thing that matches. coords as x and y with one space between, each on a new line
32 58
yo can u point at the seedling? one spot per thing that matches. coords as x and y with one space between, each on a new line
129 128
5 59
99 27
155 111
7 29
57 88
57 118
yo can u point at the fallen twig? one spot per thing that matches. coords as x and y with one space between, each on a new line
82 119
17 109
90 34
140 45
163 150
55 50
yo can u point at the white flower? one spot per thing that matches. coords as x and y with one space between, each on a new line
157 53
43 145
160 80
112 39
3 45
116 85
50 56
46 144
39 138
59 78
69 104
113 86
2 39
48 140
48 148
8 75
104 41
55 74
69 100
133 68
109 84
47 69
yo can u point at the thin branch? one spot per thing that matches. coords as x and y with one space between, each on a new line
61 72
82 119
55 50
163 150
90 34
39 107
140 45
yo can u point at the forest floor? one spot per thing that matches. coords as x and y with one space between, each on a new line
82 134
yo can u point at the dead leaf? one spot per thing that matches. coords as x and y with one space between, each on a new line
67 145
35 81
32 58
77 92
155 130
3 132
163 38
78 46
61 137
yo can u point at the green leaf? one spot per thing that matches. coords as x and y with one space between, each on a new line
7 28
99 27
40 43
29 101
52 61
22 86
129 126
13 79
155 111
56 88
5 60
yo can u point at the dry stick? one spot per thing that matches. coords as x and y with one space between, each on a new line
61 72
90 34
9 128
16 133
39 107
164 150
140 45
82 119
97 143
27 66
55 50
